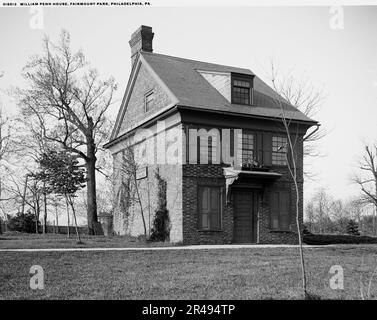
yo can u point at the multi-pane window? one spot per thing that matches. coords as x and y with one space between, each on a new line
209 205
149 101
246 148
280 203
279 150
207 144
211 150
241 92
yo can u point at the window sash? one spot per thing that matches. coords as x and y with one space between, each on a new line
246 146
280 210
279 150
211 151
149 101
209 202
241 91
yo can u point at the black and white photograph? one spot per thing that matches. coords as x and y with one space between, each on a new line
196 151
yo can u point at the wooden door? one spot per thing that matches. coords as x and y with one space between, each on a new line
244 226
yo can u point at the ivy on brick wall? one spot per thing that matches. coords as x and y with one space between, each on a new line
161 224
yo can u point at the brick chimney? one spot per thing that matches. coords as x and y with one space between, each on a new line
141 40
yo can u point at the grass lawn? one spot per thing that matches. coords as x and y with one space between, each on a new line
16 240
252 273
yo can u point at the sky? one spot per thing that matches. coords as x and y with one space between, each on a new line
341 59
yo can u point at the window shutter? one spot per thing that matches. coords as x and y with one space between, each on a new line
215 209
280 210
274 205
259 145
209 208
204 207
267 149
284 204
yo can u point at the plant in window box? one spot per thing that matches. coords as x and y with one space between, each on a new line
258 167
253 165
247 165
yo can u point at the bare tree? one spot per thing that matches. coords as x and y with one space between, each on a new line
322 202
291 157
69 102
6 131
300 93
355 209
29 194
366 179
310 215
340 215
56 203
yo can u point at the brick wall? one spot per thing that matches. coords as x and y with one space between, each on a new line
266 235
182 193
194 176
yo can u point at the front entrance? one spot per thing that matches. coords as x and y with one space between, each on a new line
245 216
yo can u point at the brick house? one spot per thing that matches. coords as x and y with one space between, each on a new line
214 134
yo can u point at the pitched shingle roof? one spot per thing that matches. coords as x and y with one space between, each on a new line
192 90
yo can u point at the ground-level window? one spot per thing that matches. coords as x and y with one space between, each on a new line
280 207
209 204
279 150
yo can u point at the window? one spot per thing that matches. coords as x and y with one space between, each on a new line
211 150
246 148
208 146
149 101
209 203
279 151
241 92
280 203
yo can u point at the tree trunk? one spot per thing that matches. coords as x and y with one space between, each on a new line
37 214
67 218
45 214
74 216
91 187
1 232
57 219
0 198
375 206
24 196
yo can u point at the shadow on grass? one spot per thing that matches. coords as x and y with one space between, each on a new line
312 296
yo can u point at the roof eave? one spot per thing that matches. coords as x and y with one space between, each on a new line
142 124
185 107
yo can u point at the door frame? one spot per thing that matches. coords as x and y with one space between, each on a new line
256 194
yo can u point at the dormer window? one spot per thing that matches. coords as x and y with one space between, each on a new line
149 101
242 89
